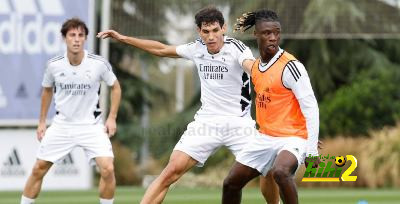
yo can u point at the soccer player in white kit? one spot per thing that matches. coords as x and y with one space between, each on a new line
75 80
223 64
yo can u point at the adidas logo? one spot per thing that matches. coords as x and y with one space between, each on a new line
13 159
66 166
67 160
12 166
30 27
29 7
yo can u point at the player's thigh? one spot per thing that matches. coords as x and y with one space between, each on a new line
199 141
259 153
292 153
181 162
95 142
239 175
285 163
56 143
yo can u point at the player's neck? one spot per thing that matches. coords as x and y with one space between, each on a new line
75 59
266 57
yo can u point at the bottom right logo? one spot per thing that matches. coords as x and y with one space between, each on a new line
329 172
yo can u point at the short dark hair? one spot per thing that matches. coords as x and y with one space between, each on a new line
73 23
209 14
249 19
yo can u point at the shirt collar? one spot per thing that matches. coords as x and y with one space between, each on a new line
274 58
265 66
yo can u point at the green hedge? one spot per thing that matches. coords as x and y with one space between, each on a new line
371 102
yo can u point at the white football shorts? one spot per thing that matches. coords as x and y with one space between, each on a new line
205 135
59 140
261 151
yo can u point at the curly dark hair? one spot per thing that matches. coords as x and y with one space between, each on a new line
249 19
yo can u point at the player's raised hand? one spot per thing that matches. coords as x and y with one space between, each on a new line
41 129
111 127
109 34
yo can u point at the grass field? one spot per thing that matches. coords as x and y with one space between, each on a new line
125 195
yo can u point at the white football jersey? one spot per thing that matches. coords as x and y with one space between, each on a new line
225 86
77 88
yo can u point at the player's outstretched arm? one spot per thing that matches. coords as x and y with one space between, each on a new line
247 65
151 46
47 95
111 124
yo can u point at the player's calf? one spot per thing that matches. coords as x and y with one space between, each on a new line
269 189
107 179
283 172
34 183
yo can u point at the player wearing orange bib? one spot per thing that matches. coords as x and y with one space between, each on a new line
286 112
277 109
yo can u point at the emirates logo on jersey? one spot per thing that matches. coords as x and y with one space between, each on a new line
213 71
213 68
73 88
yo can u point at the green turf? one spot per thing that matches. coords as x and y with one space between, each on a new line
131 195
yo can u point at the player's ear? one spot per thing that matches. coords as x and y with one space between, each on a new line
224 28
198 29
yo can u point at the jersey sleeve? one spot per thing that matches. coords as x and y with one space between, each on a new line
309 108
246 54
295 77
48 78
186 50
108 75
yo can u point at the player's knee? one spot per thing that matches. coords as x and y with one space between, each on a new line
230 184
107 171
39 170
172 173
280 174
172 170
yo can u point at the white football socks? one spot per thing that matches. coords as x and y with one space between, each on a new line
106 201
25 200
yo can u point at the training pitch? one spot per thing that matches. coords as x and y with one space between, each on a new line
131 195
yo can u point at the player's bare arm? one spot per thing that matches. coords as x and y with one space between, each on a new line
247 65
111 125
151 46
47 95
